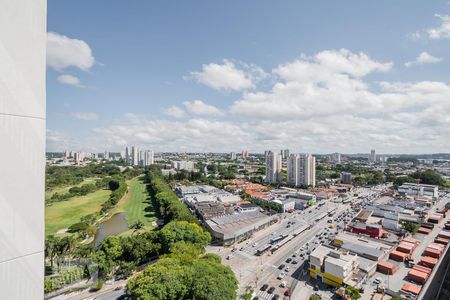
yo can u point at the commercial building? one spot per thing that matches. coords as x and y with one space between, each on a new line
301 170
419 190
23 39
237 226
287 204
273 167
346 178
183 165
333 267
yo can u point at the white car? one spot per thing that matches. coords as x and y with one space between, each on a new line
378 280
281 275
283 284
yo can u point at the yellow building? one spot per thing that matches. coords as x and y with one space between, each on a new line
331 266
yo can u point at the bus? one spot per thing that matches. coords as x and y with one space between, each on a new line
263 250
278 238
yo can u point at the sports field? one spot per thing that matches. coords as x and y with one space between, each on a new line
137 203
62 214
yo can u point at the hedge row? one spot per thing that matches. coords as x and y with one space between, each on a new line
165 200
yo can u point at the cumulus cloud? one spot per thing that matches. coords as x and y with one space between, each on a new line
321 104
174 111
87 116
69 80
423 58
328 83
64 52
442 31
227 76
198 107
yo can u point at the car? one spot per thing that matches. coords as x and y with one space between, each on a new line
287 269
234 250
289 260
256 298
316 287
377 280
255 244
264 287
294 262
241 249
275 297
229 257
281 267
287 292
270 291
281 275
283 284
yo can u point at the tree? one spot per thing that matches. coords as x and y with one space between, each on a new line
352 292
181 276
314 297
409 226
51 248
177 231
429 177
248 293
138 225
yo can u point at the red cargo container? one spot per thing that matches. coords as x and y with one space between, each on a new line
437 246
406 247
429 262
398 256
412 241
424 230
417 276
444 234
422 269
411 288
441 241
386 267
432 252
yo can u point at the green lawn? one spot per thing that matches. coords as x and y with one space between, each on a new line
61 190
62 214
137 203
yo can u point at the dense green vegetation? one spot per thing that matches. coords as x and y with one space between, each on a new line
165 200
352 292
185 276
409 226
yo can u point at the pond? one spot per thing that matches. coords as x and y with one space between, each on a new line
113 226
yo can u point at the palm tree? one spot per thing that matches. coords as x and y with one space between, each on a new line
138 225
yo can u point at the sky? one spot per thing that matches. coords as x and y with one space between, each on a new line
219 76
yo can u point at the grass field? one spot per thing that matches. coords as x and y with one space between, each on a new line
136 203
49 193
62 214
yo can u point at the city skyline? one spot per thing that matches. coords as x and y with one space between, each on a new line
288 81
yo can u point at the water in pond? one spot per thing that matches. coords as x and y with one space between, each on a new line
113 226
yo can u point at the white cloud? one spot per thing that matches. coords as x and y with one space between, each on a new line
69 80
328 83
320 104
174 111
198 107
414 35
423 58
64 52
227 76
442 31
87 116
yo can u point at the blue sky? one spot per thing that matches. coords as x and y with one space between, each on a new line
226 76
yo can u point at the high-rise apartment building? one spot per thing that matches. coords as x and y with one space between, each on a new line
147 158
301 170
336 158
346 178
23 39
233 155
273 167
285 154
244 154
134 156
127 155
372 156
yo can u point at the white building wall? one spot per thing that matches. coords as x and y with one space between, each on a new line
22 136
